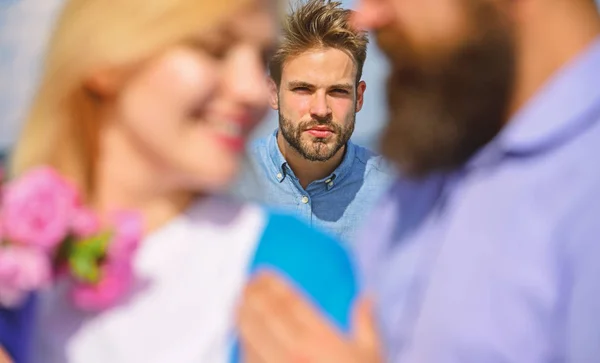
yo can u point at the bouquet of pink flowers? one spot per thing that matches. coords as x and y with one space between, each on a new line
46 233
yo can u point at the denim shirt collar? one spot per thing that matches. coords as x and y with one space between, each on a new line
280 168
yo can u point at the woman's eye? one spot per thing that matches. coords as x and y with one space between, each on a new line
217 50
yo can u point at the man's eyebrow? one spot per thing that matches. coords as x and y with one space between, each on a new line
344 86
299 84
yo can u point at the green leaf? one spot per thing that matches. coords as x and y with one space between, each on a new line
84 268
93 246
85 257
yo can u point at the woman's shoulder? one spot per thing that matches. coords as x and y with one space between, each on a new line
219 214
222 208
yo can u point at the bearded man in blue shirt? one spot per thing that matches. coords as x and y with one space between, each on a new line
308 165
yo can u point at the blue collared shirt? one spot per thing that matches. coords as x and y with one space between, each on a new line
337 203
500 261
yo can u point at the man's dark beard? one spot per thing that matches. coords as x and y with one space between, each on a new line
316 151
443 109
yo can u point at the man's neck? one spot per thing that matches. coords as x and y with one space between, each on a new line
548 38
308 171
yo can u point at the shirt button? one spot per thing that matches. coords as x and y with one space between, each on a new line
328 181
305 199
279 176
330 184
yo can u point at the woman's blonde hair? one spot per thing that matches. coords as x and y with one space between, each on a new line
62 127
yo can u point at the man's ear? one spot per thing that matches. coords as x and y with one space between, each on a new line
360 92
273 94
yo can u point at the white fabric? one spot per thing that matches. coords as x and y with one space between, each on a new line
195 268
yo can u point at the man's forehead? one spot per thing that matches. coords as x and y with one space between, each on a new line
320 67
344 84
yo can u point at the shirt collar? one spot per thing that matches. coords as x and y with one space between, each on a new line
278 162
558 111
280 168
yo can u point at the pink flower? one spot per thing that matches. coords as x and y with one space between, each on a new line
127 236
116 280
85 222
22 270
37 209
116 274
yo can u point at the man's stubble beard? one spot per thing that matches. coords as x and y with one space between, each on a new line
317 150
442 110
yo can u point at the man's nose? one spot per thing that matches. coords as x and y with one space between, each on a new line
319 107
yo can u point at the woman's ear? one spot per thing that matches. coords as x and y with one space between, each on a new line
105 83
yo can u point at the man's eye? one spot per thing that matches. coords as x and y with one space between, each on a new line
300 89
340 91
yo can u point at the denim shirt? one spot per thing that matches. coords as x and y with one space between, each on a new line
336 204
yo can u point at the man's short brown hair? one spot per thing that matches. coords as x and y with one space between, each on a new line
319 24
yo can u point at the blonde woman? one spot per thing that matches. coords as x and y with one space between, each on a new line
147 105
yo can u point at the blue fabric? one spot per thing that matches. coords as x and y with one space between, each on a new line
336 204
314 262
15 330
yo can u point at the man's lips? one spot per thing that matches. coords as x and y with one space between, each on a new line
320 131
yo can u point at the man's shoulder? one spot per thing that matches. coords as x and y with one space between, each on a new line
374 162
568 172
258 154
258 146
